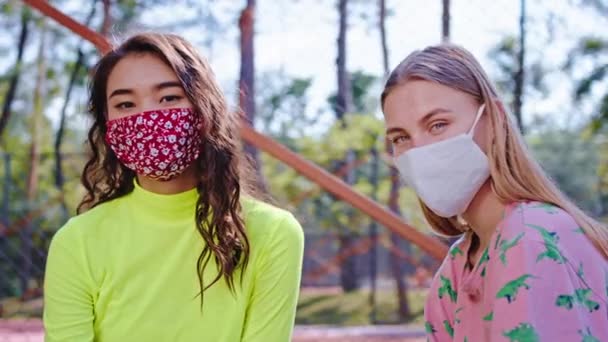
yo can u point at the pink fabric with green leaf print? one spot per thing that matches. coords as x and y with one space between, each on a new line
540 279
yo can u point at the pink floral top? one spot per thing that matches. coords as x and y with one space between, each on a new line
540 279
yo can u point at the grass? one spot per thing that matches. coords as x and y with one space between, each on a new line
346 309
14 308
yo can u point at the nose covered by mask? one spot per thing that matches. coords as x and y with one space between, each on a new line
159 144
447 174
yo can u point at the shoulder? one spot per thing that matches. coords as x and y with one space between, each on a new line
89 236
535 234
86 227
79 247
539 222
264 221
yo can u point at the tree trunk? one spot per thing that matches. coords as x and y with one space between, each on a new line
393 200
520 74
106 24
373 236
247 83
14 81
344 104
59 176
348 269
445 21
5 282
37 114
34 160
344 101
384 44
400 284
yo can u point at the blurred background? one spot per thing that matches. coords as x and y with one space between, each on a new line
311 72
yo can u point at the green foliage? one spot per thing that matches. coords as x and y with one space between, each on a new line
362 85
592 45
583 88
363 133
43 215
504 55
281 110
572 162
599 5
596 50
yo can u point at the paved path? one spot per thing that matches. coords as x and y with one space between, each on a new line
31 331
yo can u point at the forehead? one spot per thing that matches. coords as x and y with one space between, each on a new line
137 71
412 100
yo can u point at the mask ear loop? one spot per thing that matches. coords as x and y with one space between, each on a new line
479 113
465 226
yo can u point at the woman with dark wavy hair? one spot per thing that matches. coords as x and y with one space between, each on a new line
168 243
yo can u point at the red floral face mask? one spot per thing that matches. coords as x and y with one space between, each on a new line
159 144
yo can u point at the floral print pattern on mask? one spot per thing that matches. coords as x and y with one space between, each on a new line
159 144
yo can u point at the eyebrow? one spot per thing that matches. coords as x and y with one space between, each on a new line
429 115
160 86
394 130
424 119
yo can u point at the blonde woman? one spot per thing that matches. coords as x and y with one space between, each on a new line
530 265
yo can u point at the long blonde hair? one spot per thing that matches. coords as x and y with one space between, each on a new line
515 175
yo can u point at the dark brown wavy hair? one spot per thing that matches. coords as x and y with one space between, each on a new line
221 168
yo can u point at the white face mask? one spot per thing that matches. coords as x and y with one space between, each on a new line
447 174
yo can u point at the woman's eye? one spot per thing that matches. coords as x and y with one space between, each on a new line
124 105
170 98
399 139
436 127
